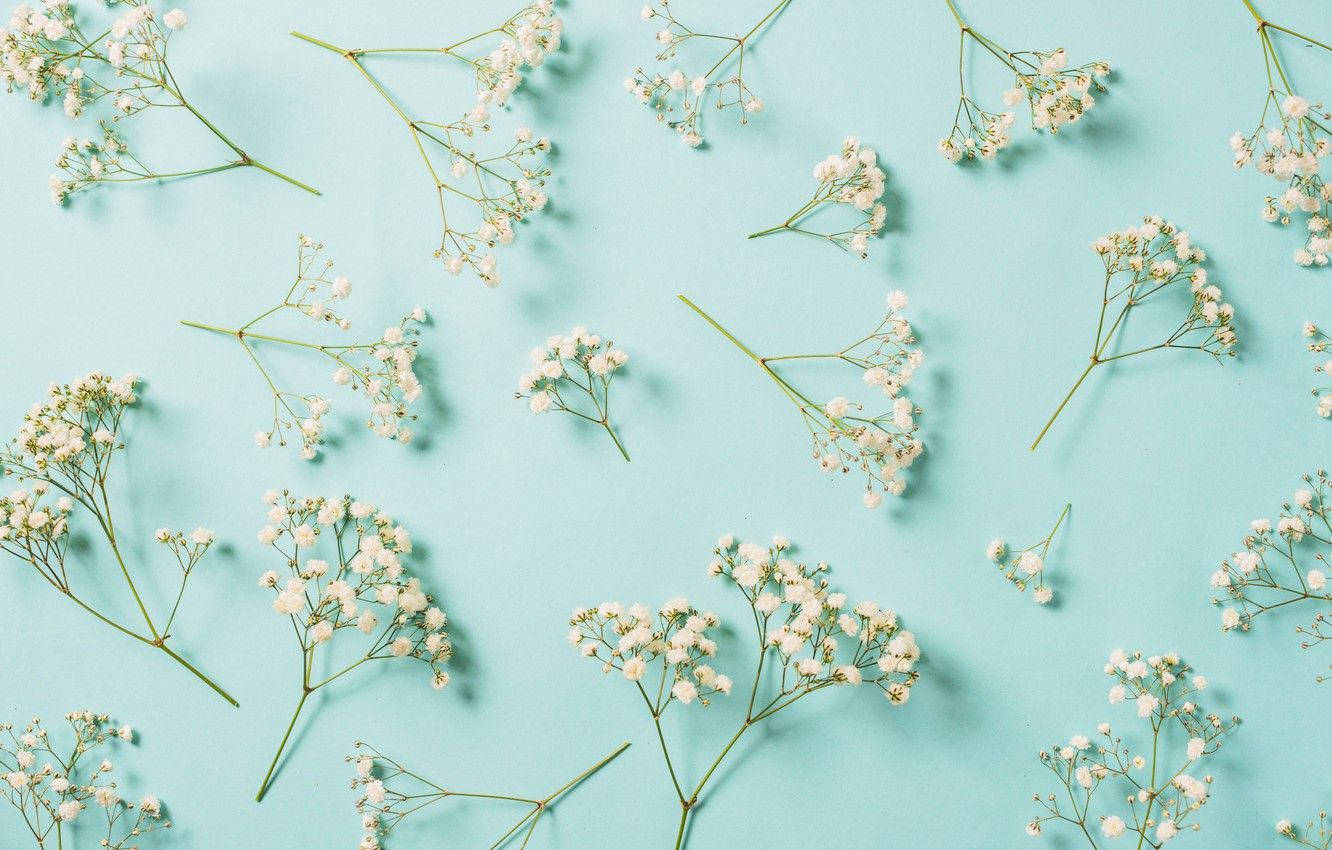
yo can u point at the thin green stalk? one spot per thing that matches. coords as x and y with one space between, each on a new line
618 444
263 786
1060 409
203 678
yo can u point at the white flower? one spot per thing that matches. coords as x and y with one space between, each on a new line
175 19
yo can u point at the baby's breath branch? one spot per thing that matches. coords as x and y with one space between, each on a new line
1027 565
555 371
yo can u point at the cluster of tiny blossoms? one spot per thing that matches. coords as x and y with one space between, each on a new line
51 788
677 98
852 178
1159 794
1280 564
1026 567
1290 154
1319 345
1055 94
1316 835
569 368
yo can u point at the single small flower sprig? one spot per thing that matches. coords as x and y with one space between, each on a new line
360 594
1316 835
1163 795
803 629
46 52
1056 94
390 793
505 185
554 382
677 99
51 784
379 369
1283 564
1141 263
853 178
1289 151
1319 345
880 446
1026 567
62 455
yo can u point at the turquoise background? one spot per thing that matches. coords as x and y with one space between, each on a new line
519 519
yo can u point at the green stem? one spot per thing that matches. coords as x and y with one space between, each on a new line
263 787
203 678
779 228
618 444
1060 408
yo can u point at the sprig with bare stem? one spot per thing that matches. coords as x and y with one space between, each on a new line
1056 94
506 185
844 437
803 629
1145 263
1283 564
1289 152
1318 345
1163 796
63 452
1026 567
677 99
379 369
47 52
390 793
1316 835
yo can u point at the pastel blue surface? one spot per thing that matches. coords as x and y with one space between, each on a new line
522 518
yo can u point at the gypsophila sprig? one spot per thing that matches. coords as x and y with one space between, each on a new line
379 369
505 184
62 456
807 638
852 178
1282 564
1289 150
843 435
679 99
52 784
348 590
1318 345
1147 263
1316 835
1026 567
46 52
1153 792
1056 95
569 368
390 793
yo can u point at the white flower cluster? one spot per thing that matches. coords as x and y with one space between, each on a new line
568 368
1026 567
1056 95
1283 563
390 793
1162 793
1290 153
379 369
1316 835
678 98
505 186
851 178
46 52
51 788
1319 346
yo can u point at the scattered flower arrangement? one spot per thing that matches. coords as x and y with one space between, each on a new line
63 451
390 793
1056 94
554 384
1289 152
505 185
843 437
1141 262
852 178
802 628
1319 345
46 52
1026 567
678 99
52 787
379 369
361 594
1319 840
1162 793
1280 565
